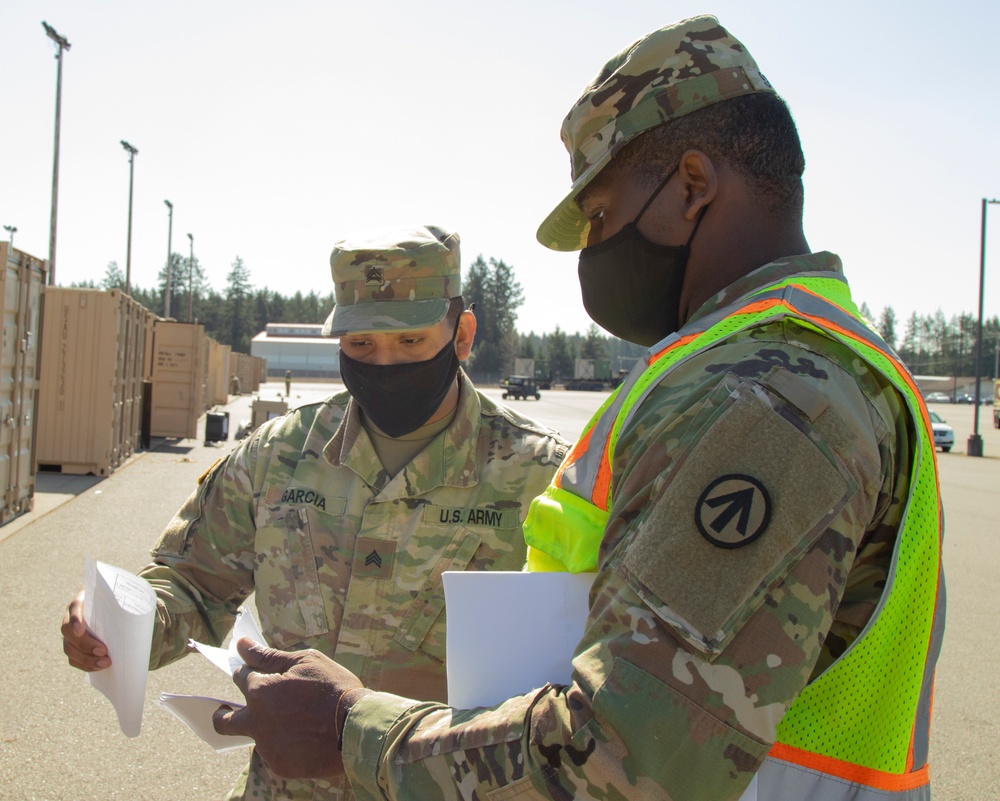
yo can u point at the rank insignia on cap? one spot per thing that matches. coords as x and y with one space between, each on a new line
733 511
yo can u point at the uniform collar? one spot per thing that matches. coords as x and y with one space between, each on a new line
448 460
822 262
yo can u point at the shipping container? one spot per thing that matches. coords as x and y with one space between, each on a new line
263 410
218 373
134 318
524 366
23 277
590 374
147 362
246 372
206 400
90 393
179 378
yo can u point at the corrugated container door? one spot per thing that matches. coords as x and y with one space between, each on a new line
178 379
22 277
79 397
134 323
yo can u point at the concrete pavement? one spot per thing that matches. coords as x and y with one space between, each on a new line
59 740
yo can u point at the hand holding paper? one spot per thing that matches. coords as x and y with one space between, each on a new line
196 711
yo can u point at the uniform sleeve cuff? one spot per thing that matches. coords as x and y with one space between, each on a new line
366 730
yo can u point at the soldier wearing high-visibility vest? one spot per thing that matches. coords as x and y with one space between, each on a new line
759 499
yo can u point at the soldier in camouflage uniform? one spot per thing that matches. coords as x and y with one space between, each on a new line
755 497
340 529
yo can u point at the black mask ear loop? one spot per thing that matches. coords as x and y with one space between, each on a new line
652 197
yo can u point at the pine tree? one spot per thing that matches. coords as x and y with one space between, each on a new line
114 278
560 358
887 326
238 317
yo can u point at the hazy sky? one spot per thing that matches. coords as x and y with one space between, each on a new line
276 132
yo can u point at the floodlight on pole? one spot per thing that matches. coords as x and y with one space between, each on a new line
974 446
62 45
128 252
191 282
11 229
170 233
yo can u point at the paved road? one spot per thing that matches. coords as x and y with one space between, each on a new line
59 740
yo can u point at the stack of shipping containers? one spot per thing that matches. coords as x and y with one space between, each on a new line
111 375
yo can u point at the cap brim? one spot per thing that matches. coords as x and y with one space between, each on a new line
566 228
385 315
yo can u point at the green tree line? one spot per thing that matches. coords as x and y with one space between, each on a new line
928 344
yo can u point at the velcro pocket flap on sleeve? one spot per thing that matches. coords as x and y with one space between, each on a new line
742 504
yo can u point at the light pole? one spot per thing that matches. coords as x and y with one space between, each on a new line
170 233
11 229
128 253
63 45
974 447
191 282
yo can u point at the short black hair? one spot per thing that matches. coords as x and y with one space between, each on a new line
754 134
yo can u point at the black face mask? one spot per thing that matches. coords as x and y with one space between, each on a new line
631 286
399 398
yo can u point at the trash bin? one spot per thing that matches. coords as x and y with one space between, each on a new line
216 427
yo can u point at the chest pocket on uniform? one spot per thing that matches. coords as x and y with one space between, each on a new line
291 598
428 606
423 624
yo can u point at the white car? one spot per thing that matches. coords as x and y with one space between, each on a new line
938 397
944 434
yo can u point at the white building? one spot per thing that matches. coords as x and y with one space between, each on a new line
297 347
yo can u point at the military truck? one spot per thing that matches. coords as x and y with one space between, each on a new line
520 387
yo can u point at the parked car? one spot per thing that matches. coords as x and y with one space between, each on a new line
937 397
944 434
985 398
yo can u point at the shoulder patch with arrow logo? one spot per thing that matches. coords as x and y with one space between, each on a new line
733 511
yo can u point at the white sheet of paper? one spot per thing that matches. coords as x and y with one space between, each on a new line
119 608
196 711
510 633
228 659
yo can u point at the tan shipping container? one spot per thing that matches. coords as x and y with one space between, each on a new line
218 373
179 371
245 371
134 319
90 394
205 398
263 410
23 277
147 361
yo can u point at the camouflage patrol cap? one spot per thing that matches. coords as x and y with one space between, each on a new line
393 280
668 73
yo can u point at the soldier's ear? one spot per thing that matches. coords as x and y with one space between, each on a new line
466 335
701 181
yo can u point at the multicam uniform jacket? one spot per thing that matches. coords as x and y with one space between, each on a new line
342 557
654 712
